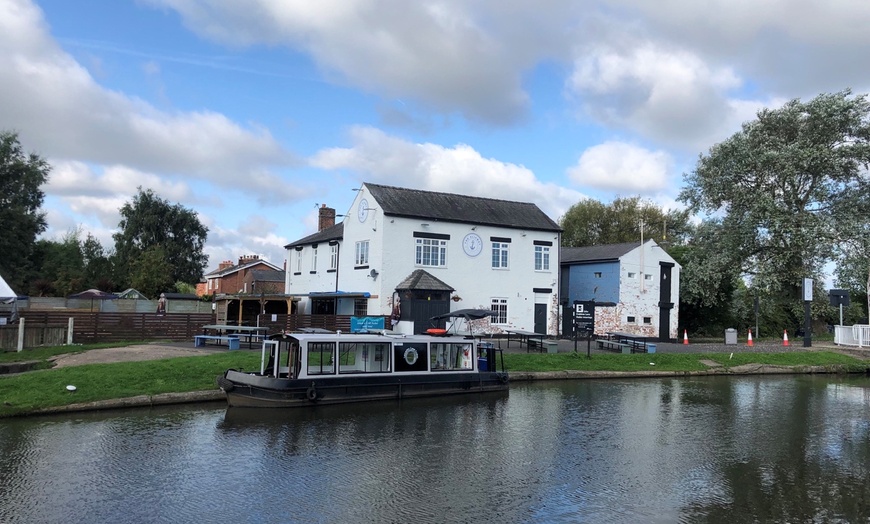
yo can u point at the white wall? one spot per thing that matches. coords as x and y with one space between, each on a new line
639 297
392 254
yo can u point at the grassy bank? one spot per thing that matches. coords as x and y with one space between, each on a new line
27 392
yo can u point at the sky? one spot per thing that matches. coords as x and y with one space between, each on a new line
254 114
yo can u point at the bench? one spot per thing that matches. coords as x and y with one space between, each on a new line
612 345
231 340
250 338
535 344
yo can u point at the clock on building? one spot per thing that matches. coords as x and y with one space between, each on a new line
363 210
472 244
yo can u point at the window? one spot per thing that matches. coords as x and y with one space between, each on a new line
647 320
333 256
631 320
360 307
448 357
314 259
362 253
500 255
647 277
363 357
320 358
632 274
299 261
542 258
598 274
499 305
431 252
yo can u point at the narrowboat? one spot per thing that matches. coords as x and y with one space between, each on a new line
304 369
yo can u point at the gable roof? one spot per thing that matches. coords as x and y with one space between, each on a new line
420 279
449 207
5 290
602 253
335 232
239 267
267 275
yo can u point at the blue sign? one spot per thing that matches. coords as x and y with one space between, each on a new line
363 324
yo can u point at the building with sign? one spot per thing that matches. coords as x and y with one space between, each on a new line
636 287
414 254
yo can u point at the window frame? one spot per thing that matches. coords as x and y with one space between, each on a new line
361 253
500 306
500 258
542 258
437 251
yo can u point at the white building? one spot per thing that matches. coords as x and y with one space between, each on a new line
418 254
640 284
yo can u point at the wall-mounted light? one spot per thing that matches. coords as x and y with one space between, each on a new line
473 228
424 224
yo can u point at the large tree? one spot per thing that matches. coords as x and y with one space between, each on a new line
589 223
785 186
151 222
21 219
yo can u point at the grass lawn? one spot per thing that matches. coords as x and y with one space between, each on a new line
26 392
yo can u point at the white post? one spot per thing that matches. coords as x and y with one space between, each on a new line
20 334
69 331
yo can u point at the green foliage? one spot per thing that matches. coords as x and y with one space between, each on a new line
589 223
787 185
149 222
150 272
184 287
69 266
21 220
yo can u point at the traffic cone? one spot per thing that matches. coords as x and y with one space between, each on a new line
750 339
785 337
685 338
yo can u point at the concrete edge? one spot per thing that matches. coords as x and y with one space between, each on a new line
164 399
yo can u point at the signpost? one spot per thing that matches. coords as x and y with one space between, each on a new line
584 322
808 321
839 297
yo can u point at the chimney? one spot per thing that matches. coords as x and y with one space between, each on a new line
226 264
326 217
247 259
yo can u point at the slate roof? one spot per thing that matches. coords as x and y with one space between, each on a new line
449 207
267 275
335 232
602 253
420 279
237 267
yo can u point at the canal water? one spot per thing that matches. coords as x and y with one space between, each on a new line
713 449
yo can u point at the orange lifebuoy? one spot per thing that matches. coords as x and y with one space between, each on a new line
436 331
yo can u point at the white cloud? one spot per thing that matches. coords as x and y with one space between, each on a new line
381 158
624 168
60 110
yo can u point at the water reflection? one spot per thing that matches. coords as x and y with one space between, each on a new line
781 449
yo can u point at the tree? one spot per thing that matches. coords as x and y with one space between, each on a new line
785 185
21 220
589 223
151 222
150 272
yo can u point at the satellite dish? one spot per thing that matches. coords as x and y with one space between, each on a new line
373 273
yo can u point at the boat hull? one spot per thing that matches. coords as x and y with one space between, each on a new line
255 390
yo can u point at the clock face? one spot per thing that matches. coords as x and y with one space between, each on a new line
472 244
363 211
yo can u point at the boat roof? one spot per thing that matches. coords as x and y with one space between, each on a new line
377 336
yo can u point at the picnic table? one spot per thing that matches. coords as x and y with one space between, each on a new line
531 339
625 342
226 332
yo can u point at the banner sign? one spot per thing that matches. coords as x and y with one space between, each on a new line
364 324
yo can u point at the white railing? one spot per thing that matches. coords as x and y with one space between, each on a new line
857 335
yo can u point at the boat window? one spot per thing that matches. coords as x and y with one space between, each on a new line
363 357
447 357
320 358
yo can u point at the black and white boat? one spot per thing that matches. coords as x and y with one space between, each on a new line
304 369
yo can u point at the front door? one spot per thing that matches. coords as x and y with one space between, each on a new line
541 318
665 304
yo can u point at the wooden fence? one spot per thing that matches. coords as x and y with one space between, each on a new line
90 328
49 328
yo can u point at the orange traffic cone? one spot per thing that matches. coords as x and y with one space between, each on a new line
749 343
785 337
685 338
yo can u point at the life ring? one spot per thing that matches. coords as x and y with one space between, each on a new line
503 378
411 356
311 393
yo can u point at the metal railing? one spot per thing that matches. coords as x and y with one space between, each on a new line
857 335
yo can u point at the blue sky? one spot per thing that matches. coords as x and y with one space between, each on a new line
254 113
